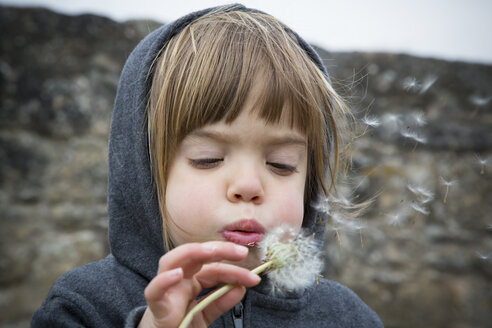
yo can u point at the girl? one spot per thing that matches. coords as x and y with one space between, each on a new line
225 126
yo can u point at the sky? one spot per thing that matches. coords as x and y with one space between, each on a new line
451 30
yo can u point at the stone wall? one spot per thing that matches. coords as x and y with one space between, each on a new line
421 255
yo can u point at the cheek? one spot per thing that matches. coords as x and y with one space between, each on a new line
290 209
187 202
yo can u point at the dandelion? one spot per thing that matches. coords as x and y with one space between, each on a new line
420 209
447 184
410 83
292 261
371 121
482 162
427 83
296 260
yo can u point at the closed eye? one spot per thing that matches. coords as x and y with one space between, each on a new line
282 169
205 163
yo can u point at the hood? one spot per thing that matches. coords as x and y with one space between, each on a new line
135 228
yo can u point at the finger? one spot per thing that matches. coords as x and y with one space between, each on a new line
223 304
215 273
158 286
167 298
192 256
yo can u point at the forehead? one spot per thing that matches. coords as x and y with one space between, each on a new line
248 126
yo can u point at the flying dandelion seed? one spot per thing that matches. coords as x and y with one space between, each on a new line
341 199
427 83
419 119
397 220
480 101
483 256
482 162
420 209
424 194
489 227
371 121
410 83
413 136
447 184
391 118
391 122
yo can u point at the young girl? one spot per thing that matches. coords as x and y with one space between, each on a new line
224 127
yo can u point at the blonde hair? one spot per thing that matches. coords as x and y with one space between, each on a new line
204 74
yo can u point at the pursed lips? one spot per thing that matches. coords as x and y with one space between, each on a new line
246 232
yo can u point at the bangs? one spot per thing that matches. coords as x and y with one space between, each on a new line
211 67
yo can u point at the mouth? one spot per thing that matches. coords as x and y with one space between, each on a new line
247 232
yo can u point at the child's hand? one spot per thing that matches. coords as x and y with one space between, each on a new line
184 272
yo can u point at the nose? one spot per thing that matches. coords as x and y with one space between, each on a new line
246 186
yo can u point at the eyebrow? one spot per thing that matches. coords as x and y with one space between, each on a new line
287 139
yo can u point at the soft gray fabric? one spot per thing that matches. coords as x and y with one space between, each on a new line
109 293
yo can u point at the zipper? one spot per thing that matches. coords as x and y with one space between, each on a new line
237 315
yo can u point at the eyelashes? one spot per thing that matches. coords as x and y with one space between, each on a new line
205 163
209 163
282 169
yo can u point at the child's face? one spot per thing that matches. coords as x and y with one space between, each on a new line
235 181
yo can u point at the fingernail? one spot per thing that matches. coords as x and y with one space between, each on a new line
255 277
175 273
241 250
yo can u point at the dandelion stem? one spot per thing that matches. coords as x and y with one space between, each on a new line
361 239
216 295
338 238
446 194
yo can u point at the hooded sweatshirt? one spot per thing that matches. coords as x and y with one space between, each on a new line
110 292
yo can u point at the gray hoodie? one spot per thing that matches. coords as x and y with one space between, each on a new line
110 292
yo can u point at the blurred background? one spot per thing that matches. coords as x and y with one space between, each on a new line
418 76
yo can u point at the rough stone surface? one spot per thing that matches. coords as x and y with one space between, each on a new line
421 255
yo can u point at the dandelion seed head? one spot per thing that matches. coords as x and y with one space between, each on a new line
296 259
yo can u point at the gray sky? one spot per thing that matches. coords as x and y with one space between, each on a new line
453 29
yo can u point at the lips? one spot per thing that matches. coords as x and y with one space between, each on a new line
246 232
